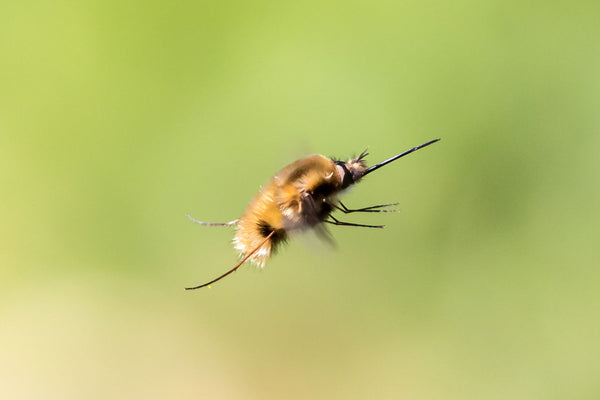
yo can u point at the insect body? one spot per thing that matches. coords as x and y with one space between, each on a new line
302 195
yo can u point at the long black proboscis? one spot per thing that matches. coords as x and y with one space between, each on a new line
381 164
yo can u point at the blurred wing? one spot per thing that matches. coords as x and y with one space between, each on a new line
311 210
300 192
299 208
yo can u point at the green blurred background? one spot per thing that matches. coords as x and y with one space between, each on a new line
117 118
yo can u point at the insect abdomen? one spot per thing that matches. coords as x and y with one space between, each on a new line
260 219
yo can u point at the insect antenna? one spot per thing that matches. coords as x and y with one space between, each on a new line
381 164
235 221
236 266
363 154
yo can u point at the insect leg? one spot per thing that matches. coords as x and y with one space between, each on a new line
338 222
235 221
236 266
347 210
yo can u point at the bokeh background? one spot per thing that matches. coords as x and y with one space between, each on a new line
117 118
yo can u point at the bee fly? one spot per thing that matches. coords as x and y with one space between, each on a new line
302 195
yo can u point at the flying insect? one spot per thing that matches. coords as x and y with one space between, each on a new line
303 195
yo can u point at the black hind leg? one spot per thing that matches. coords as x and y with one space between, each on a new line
335 221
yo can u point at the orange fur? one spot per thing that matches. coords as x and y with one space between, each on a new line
279 205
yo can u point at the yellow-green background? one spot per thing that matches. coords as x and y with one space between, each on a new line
117 118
